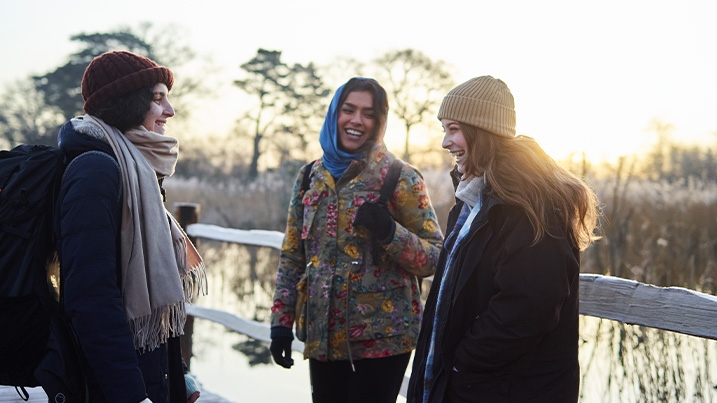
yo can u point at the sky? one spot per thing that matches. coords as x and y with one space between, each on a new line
587 76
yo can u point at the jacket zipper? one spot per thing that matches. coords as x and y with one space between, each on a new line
306 320
348 315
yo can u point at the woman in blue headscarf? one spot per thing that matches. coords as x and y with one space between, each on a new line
350 265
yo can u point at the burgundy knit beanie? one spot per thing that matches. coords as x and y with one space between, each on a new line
113 74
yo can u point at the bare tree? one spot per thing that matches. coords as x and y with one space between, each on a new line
341 69
61 87
305 111
290 99
416 85
169 46
25 118
658 164
32 111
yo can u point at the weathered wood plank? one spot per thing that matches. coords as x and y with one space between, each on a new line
256 237
255 330
675 309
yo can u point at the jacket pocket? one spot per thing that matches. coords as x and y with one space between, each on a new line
301 308
382 305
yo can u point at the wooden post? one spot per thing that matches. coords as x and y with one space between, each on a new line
187 213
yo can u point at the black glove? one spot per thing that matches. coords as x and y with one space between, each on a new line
281 350
376 218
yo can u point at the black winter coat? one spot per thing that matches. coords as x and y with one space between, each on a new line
511 333
87 226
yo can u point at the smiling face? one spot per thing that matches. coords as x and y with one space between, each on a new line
356 121
159 110
455 142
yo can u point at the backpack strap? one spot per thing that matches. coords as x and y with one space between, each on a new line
390 182
306 181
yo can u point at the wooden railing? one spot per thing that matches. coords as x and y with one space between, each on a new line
674 309
272 239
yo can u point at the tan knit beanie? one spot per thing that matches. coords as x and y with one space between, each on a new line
116 73
484 102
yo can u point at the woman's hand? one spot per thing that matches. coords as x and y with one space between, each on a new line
281 350
376 218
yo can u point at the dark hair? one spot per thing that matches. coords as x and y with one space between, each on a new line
380 101
127 111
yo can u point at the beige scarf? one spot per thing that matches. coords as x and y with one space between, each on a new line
161 268
469 190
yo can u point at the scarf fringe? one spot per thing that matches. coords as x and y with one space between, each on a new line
195 283
194 279
152 330
168 321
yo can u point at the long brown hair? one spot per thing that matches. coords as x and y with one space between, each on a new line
521 173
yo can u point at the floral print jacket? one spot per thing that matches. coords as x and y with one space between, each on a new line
362 297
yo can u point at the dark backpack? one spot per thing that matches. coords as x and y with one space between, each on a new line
30 177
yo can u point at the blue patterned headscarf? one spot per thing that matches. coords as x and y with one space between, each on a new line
335 160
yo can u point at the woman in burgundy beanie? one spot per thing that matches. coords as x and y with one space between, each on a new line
127 268
114 74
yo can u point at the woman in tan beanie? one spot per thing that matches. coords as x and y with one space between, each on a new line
127 268
501 320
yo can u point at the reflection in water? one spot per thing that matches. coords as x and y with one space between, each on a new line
625 363
241 281
228 373
619 362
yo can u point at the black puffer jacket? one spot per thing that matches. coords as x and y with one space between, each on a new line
87 226
511 333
